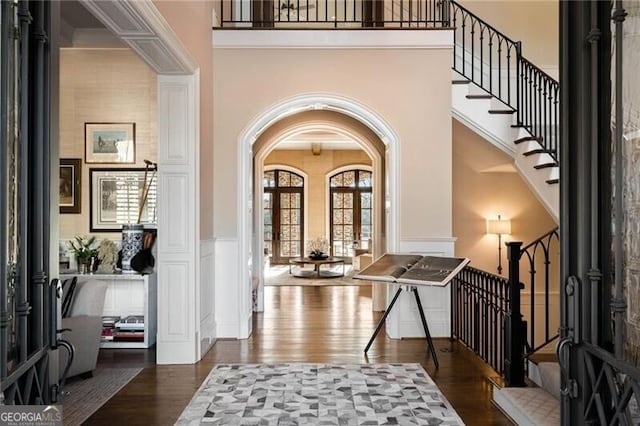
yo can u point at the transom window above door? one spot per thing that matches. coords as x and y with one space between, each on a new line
283 215
351 217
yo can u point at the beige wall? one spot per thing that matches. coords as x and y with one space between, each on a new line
192 22
103 85
481 191
535 23
416 105
317 167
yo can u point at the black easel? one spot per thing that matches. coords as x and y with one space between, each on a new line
414 289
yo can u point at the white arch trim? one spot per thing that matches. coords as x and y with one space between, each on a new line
276 112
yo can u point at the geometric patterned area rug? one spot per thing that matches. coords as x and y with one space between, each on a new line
319 394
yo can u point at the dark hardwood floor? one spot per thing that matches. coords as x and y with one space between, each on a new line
300 324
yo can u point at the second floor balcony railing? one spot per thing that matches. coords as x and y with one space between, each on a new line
334 13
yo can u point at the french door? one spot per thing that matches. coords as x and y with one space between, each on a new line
283 215
27 299
351 217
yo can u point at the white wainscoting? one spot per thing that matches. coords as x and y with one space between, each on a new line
227 303
207 296
404 319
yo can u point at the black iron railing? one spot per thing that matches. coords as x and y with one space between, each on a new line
484 55
491 315
538 105
543 274
333 13
520 335
495 63
478 308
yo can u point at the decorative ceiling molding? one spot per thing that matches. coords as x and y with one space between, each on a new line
140 25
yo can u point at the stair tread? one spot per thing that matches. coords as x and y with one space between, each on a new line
526 139
539 357
538 151
501 111
479 96
545 165
552 181
460 81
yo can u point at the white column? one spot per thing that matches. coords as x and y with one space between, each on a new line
178 263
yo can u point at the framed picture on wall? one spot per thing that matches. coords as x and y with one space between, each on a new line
70 185
116 196
110 143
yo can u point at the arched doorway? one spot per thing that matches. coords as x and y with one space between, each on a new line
300 114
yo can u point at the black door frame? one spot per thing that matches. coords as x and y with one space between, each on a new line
594 372
28 310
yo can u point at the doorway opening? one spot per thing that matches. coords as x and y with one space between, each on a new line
342 118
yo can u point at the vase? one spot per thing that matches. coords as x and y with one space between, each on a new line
83 265
320 256
131 245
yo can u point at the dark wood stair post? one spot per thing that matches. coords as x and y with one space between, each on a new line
515 328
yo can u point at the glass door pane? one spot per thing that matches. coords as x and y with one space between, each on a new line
366 221
267 217
343 224
290 225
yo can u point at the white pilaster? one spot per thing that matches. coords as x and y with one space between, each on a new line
178 220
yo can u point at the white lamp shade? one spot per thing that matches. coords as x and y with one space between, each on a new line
498 226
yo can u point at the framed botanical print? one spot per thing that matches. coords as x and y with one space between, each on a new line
70 185
110 143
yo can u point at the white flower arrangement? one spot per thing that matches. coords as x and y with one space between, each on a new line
318 247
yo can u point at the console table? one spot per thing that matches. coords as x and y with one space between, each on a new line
129 294
317 271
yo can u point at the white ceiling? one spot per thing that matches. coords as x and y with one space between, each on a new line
326 140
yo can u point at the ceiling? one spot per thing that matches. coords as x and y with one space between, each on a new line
79 28
325 140
77 16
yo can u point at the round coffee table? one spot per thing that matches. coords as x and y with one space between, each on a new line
317 271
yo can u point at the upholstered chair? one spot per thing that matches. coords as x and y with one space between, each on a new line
84 321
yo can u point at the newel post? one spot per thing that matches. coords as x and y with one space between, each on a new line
514 328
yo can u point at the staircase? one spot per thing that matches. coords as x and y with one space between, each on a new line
499 94
536 405
507 100
496 122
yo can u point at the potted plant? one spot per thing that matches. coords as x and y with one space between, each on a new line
85 253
